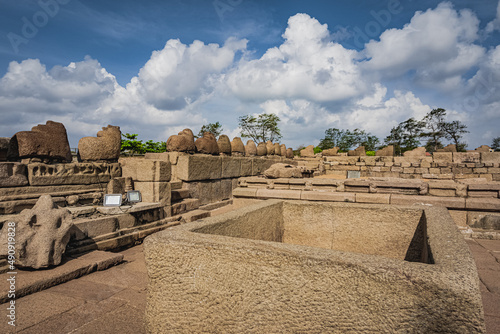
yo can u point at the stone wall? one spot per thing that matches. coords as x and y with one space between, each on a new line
443 166
212 178
22 184
218 275
472 204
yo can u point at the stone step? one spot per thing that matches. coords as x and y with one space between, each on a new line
195 215
71 268
180 194
185 205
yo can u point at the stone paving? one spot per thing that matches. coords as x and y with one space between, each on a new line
114 300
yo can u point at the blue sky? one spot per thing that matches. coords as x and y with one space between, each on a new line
156 67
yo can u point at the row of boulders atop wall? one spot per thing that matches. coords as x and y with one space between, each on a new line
49 143
184 142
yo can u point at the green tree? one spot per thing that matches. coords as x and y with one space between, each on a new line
434 124
332 138
433 146
405 136
154 147
495 144
130 145
454 131
357 137
347 139
264 127
213 128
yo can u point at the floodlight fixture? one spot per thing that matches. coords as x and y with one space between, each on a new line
112 200
134 196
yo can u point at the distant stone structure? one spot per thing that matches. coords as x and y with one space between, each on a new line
289 153
417 152
250 149
4 148
448 148
483 148
358 152
330 152
105 147
237 147
261 149
283 150
44 143
307 152
207 144
387 151
182 142
270 147
42 234
277 149
224 145
283 171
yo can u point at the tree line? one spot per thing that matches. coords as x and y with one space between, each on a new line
432 129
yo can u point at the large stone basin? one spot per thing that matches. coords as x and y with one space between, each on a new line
302 267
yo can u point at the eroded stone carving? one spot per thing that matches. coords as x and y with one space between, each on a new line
261 149
448 148
47 142
283 150
330 152
75 173
13 174
358 152
283 171
207 144
106 146
277 149
270 147
237 147
482 148
42 234
417 152
307 152
387 151
182 142
289 153
250 149
224 145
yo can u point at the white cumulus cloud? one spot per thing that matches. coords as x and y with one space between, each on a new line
306 66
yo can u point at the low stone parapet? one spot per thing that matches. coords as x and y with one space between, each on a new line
440 166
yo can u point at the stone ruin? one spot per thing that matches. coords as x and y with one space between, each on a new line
280 170
262 149
44 143
360 151
237 147
307 152
387 151
295 266
41 235
417 152
207 144
224 145
105 147
330 152
182 142
250 149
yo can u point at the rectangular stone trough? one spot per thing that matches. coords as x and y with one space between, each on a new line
302 267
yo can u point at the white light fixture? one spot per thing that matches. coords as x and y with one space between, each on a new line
134 196
112 200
